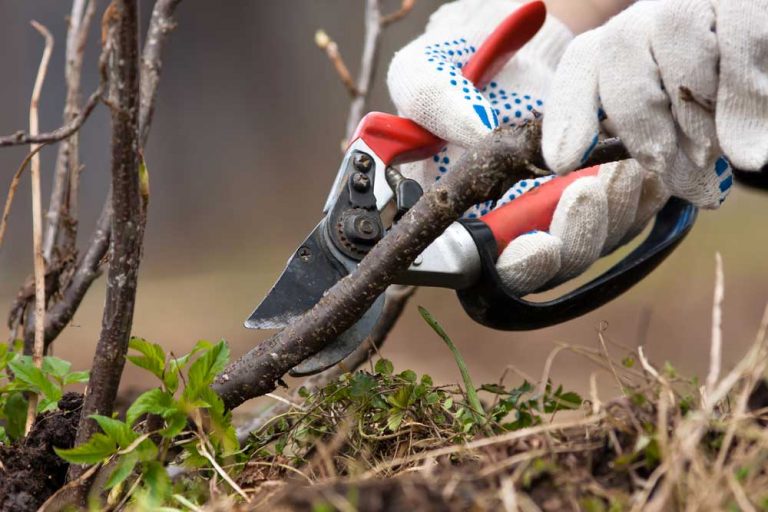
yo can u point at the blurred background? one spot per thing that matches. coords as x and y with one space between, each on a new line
244 146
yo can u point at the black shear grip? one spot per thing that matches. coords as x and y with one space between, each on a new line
492 304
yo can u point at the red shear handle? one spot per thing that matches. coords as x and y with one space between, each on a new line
531 211
397 140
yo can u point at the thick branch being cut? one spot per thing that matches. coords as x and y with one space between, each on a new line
502 158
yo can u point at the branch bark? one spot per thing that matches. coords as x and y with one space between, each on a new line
20 138
89 267
126 227
371 43
161 25
62 207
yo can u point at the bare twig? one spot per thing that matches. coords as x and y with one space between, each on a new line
716 347
62 208
89 267
161 25
12 190
88 270
64 131
368 62
37 217
126 230
405 7
331 49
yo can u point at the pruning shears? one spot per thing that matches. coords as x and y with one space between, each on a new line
463 258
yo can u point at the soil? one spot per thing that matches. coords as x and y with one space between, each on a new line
30 470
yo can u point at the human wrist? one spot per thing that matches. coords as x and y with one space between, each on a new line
582 15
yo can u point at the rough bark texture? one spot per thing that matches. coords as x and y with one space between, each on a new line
126 227
501 159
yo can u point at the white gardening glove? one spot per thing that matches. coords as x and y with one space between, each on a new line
680 82
594 216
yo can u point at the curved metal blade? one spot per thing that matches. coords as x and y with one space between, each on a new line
311 271
342 346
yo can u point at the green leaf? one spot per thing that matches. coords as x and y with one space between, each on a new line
408 375
117 430
57 367
96 449
175 423
395 419
15 412
206 367
472 397
77 377
123 469
384 367
26 372
152 358
157 483
176 364
154 401
146 450
493 388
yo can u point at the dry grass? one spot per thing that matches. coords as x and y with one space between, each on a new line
668 443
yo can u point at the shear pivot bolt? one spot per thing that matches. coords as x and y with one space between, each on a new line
361 182
304 253
362 162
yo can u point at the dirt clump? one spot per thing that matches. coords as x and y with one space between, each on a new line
30 471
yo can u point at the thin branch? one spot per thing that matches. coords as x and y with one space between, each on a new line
12 190
331 49
90 265
88 270
161 25
20 138
368 61
63 204
716 346
126 231
37 217
405 7
502 158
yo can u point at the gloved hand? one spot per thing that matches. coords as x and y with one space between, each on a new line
594 216
680 82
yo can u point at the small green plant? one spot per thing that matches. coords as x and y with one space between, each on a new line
18 376
189 416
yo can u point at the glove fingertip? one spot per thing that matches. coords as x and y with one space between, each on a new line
529 261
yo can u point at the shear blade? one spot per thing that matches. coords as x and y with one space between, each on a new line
311 271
